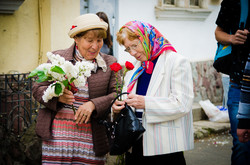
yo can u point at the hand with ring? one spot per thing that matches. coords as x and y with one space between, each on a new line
84 112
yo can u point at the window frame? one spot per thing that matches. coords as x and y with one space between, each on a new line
182 10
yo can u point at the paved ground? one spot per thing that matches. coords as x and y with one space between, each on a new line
212 150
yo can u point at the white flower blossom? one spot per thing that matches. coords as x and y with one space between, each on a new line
45 66
49 93
85 67
79 72
70 70
80 81
55 59
56 76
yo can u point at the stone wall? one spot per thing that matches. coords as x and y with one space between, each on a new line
207 82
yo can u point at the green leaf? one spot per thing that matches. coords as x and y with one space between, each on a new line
58 88
57 69
42 76
40 73
33 73
72 79
65 83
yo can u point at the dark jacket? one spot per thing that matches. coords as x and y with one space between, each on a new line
101 92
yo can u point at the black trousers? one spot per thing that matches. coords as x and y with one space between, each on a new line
136 157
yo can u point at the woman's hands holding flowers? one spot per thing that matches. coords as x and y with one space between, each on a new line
133 100
118 106
116 67
67 97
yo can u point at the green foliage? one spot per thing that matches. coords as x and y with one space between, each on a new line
58 88
42 76
72 79
57 69
33 73
66 83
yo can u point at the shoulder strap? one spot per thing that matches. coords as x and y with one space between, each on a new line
109 109
243 13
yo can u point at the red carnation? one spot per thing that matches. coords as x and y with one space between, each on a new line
115 67
129 65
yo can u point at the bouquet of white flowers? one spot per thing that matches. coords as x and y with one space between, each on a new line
62 73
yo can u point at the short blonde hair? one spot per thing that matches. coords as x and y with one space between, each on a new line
125 33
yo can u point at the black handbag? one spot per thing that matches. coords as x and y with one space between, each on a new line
124 131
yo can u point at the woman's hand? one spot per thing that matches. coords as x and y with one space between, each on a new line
84 112
67 97
136 101
118 106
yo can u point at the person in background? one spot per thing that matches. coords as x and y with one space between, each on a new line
228 32
107 47
79 139
243 130
161 91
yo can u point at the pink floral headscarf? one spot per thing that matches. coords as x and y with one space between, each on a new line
153 43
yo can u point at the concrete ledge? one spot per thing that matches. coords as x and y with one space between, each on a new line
205 128
198 112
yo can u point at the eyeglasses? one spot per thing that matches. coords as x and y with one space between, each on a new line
132 47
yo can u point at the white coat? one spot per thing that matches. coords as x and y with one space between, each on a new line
167 116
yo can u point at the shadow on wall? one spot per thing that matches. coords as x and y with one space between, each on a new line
207 82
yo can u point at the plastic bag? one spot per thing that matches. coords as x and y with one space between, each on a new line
214 113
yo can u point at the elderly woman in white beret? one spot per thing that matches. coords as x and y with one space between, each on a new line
78 139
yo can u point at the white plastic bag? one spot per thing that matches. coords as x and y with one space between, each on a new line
214 113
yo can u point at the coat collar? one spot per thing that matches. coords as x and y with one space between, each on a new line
156 78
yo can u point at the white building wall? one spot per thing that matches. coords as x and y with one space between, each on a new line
193 39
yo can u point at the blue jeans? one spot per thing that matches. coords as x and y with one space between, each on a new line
240 151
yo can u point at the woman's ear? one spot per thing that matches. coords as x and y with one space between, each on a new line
76 40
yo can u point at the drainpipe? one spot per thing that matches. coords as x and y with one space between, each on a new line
40 24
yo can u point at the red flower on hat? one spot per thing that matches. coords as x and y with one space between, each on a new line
73 26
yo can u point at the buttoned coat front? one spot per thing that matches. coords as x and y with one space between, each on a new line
167 116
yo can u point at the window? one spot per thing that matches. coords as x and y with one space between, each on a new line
194 3
168 2
182 9
185 3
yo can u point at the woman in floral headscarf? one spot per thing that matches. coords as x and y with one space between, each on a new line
161 92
